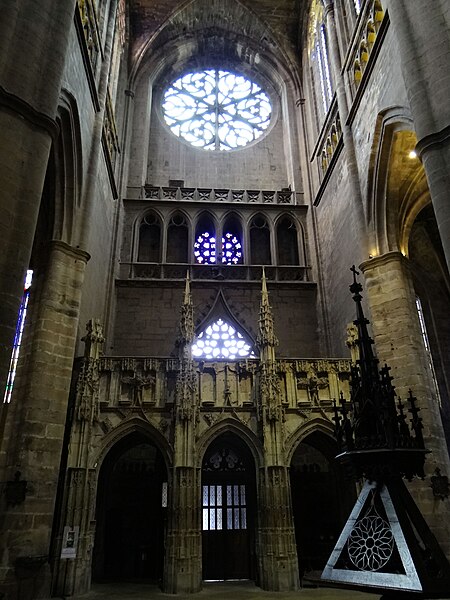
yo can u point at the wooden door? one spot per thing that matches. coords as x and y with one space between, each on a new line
228 498
226 544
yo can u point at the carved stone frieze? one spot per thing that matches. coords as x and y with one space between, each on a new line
137 385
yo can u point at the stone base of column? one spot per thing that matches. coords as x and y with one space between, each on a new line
277 551
278 563
183 563
183 572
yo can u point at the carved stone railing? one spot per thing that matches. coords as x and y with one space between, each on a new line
140 383
222 195
89 21
329 141
364 42
156 271
110 141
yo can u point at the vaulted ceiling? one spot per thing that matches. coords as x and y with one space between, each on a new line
273 24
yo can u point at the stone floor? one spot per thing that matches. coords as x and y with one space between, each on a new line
218 591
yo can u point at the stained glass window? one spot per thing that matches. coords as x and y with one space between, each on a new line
216 110
426 343
18 337
326 64
205 249
235 516
320 58
221 341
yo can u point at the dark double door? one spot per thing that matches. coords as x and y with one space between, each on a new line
227 516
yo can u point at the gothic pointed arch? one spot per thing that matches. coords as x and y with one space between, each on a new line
321 498
205 243
67 157
221 336
398 189
217 27
131 510
260 240
149 234
287 241
232 240
178 235
231 426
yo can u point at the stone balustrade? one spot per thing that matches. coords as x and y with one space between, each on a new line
222 195
177 271
329 140
88 16
110 137
363 44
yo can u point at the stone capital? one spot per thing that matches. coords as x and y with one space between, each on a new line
383 260
65 248
25 111
328 7
433 140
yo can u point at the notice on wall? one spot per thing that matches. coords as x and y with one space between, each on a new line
70 542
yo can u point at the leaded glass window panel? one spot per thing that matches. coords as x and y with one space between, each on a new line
216 109
221 341
205 249
18 337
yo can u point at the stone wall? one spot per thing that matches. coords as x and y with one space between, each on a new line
148 315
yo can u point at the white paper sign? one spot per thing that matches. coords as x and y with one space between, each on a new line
70 542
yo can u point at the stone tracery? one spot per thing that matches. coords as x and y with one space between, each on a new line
216 109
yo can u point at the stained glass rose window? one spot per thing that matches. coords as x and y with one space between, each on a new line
205 249
216 110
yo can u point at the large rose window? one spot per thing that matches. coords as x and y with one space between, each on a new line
216 110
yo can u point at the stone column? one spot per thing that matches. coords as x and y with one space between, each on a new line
277 555
31 34
398 341
34 431
424 42
183 564
277 552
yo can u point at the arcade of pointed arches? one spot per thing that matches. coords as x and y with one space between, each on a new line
261 241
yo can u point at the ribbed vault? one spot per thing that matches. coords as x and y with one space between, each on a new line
241 31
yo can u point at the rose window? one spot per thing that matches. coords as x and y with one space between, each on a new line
205 249
371 543
221 341
216 110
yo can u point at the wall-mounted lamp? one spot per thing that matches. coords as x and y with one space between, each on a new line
412 154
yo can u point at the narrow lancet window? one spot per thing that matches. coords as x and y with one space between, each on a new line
18 337
426 343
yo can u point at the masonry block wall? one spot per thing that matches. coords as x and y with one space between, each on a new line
148 315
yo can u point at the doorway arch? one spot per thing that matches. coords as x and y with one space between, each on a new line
131 512
322 498
228 510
